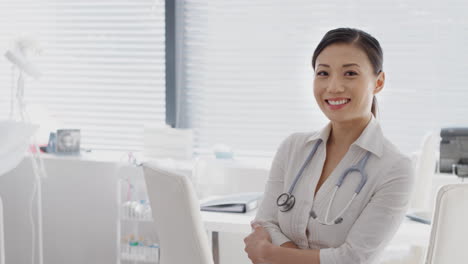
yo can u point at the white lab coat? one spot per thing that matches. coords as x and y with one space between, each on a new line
372 219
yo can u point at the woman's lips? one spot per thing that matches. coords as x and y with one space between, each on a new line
337 103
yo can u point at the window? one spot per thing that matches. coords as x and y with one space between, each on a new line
248 75
103 65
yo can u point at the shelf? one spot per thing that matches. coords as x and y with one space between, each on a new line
138 258
136 243
148 254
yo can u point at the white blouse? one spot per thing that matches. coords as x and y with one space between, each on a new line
371 220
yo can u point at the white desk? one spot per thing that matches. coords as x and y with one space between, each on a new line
411 235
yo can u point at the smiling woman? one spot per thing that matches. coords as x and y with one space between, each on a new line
345 80
365 49
346 201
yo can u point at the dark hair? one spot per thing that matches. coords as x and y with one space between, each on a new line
362 40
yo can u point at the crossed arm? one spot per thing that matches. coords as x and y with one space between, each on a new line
260 250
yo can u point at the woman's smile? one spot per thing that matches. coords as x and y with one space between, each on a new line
337 103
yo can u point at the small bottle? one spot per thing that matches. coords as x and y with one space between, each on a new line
126 209
124 246
146 211
133 244
133 214
156 252
151 253
138 210
147 250
141 248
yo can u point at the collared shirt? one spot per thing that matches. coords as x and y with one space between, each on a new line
373 217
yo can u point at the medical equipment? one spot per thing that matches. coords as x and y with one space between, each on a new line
286 201
454 151
17 132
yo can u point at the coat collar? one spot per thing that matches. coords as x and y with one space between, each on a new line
371 139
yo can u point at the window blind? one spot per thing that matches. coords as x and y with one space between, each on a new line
103 65
248 78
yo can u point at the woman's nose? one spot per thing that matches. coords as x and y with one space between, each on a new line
335 86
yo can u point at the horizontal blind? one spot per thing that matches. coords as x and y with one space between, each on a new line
103 65
249 80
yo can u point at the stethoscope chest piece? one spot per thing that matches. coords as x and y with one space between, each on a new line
285 202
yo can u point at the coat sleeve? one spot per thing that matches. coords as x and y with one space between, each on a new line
267 214
379 220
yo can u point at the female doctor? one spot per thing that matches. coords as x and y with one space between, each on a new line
337 195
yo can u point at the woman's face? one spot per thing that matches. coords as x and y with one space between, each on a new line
345 83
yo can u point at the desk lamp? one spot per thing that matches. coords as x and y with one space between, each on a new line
16 132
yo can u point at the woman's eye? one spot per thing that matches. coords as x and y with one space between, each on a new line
322 73
350 73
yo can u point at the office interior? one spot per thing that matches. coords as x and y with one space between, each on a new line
208 90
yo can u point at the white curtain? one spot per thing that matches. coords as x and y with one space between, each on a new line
248 75
103 65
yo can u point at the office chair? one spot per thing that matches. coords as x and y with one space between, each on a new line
425 167
176 214
449 232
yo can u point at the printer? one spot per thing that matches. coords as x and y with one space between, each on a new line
454 151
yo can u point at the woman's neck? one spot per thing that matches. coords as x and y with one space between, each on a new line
345 133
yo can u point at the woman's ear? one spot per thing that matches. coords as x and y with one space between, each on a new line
379 83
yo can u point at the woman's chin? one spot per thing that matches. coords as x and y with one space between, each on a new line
338 117
346 117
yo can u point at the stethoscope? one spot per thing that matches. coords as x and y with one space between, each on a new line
286 200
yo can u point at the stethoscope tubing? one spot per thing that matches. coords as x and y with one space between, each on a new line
289 199
309 158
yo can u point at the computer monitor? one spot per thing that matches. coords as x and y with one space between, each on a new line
454 151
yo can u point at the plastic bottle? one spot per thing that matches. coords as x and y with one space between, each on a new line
133 244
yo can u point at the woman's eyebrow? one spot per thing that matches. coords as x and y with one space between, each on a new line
350 64
344 65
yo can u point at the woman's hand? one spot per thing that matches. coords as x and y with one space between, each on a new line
289 244
257 244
